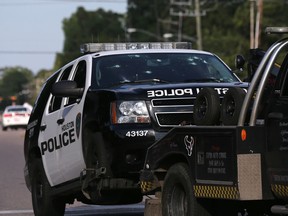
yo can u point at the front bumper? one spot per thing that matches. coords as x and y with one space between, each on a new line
126 149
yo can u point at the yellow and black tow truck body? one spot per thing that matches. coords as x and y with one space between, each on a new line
247 162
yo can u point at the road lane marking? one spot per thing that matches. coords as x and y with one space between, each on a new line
16 212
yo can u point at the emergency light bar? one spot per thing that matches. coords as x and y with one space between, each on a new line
97 47
276 30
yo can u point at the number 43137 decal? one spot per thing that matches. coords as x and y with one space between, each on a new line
138 133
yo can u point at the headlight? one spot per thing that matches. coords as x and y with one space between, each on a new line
126 108
129 112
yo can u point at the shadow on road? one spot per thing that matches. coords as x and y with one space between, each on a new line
116 210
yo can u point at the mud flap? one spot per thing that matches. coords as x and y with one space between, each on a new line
250 176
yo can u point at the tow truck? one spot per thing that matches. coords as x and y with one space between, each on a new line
226 169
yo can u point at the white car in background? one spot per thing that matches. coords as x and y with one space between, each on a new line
15 116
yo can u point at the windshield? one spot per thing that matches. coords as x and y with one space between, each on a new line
159 68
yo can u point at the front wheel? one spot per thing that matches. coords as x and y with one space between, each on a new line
177 195
44 204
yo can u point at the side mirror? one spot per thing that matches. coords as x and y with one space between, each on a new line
67 88
240 62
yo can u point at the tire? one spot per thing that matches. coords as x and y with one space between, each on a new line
95 154
231 106
44 204
177 195
4 128
206 109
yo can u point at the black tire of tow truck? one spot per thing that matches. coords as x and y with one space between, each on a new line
177 195
43 203
206 107
231 106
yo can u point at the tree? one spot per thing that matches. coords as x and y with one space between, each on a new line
86 27
225 24
148 16
13 82
35 86
220 33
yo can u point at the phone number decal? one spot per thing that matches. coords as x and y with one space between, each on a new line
139 133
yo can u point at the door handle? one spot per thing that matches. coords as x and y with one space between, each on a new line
60 121
43 127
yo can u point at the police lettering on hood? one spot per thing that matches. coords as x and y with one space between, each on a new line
179 92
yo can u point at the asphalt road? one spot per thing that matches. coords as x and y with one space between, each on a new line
14 194
15 199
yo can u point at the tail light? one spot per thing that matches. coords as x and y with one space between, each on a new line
7 115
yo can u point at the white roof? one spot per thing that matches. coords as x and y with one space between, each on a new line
117 52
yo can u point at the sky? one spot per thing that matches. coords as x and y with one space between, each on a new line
31 30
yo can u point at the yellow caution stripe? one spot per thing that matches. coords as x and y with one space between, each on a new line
147 186
215 191
280 190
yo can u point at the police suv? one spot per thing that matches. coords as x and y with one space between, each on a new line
95 117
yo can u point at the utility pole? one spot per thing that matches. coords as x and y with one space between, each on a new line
258 22
198 25
180 23
252 26
255 23
184 9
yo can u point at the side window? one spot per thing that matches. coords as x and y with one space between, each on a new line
79 78
55 102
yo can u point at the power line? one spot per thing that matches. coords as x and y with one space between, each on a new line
95 1
45 2
29 52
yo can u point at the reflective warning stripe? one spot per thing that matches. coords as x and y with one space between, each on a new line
147 186
207 191
211 191
280 190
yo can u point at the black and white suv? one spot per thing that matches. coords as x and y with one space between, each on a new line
96 116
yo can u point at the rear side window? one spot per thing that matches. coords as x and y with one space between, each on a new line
43 97
20 109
